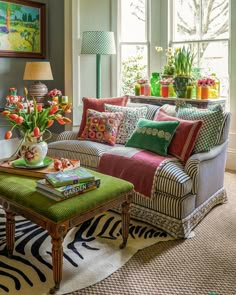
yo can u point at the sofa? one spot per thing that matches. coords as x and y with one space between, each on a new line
185 186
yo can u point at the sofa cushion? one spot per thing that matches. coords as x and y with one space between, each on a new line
102 126
98 105
88 152
184 138
153 136
151 109
212 121
129 121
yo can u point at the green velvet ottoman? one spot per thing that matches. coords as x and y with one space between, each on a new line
18 196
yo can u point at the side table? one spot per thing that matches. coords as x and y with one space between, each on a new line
199 103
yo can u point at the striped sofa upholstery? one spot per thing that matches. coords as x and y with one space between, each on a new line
183 194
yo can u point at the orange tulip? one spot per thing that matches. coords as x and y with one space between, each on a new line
19 120
58 117
36 132
8 135
66 120
13 117
39 107
53 109
5 113
25 91
60 121
50 122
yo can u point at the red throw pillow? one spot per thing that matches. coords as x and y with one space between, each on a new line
97 104
185 135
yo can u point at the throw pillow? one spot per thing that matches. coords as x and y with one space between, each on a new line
98 105
129 121
185 136
101 127
212 121
153 136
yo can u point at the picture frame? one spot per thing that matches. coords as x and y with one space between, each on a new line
22 29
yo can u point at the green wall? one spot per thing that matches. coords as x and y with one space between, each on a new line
12 69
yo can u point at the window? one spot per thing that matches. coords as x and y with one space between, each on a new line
134 43
201 24
204 26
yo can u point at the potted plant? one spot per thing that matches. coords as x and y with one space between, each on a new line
183 63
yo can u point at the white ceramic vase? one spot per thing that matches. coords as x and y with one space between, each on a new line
34 151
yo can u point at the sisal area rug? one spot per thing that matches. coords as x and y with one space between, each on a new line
91 253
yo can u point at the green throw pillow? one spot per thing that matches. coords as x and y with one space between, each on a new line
153 136
212 121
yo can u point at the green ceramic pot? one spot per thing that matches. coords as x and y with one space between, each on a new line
180 84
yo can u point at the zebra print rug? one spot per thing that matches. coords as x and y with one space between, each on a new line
91 253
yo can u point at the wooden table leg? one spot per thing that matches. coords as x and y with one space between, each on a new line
57 234
125 220
10 232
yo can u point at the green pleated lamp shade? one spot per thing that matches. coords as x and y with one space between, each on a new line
98 42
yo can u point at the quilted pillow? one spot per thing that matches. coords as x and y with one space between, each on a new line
101 127
184 138
153 135
98 105
129 121
212 121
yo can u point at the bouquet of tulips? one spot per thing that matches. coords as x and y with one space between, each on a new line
32 119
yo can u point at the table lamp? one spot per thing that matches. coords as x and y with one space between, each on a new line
38 71
98 42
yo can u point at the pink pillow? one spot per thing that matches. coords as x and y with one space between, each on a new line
102 126
185 135
98 105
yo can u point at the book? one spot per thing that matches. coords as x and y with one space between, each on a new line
8 167
66 190
72 192
72 176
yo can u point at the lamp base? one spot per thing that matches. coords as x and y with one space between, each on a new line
39 92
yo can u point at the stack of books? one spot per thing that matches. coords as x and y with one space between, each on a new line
66 184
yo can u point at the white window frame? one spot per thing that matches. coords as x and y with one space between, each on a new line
198 41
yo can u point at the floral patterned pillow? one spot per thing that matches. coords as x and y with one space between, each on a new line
129 121
101 126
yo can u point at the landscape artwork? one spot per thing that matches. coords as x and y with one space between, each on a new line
22 29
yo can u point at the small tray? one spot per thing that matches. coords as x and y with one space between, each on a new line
20 163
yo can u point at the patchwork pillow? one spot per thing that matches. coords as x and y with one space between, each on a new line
101 126
98 105
129 121
185 135
212 121
154 136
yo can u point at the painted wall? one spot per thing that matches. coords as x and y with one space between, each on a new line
12 69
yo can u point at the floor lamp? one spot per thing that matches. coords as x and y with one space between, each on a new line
99 43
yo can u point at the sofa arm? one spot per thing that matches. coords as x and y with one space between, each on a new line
67 135
207 172
214 152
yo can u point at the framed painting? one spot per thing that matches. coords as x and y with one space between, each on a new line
22 29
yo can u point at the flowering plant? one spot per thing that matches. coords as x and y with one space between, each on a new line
169 68
54 92
166 81
183 61
205 82
13 97
32 119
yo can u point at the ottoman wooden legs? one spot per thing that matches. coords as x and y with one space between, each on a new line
58 232
125 221
10 232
